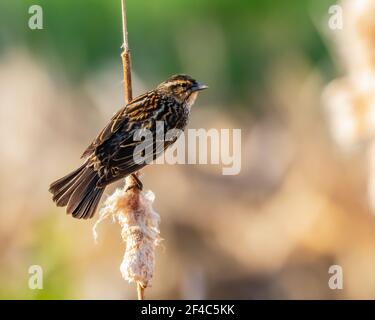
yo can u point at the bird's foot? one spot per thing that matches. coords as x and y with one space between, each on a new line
137 183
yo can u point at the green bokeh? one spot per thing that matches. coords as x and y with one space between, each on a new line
80 36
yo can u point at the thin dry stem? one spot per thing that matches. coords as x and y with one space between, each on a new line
126 64
140 291
125 55
128 95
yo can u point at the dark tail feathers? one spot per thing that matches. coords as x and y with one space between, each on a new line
78 191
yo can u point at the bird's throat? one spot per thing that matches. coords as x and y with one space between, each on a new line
190 101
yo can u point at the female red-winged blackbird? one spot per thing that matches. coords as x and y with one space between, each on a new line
111 155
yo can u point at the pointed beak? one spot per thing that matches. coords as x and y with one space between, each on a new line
199 87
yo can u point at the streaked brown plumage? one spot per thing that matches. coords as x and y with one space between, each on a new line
110 156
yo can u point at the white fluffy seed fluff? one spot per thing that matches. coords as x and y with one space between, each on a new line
139 229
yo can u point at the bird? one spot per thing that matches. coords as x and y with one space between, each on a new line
111 155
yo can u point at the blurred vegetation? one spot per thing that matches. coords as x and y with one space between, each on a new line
227 44
297 207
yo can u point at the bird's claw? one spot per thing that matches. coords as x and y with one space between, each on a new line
137 185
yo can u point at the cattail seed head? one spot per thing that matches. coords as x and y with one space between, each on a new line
139 222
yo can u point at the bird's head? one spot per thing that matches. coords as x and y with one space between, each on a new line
182 87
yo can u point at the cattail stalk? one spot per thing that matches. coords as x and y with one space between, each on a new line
125 55
132 208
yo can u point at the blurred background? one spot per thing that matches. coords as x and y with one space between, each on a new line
302 93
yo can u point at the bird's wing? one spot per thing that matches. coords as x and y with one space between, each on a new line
118 155
114 156
114 124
